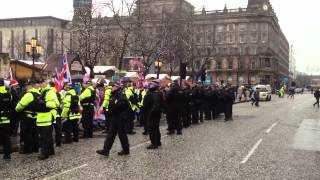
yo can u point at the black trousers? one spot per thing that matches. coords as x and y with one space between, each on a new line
58 131
207 111
87 121
154 130
130 122
143 120
71 127
228 110
186 116
30 135
317 102
117 126
195 114
45 140
174 119
5 138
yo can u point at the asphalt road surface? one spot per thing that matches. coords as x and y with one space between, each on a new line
278 140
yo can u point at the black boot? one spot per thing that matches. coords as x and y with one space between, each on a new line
103 152
152 147
7 157
123 153
43 157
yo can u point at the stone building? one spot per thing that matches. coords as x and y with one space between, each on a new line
4 65
52 33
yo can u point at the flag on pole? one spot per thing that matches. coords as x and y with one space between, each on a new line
57 82
65 72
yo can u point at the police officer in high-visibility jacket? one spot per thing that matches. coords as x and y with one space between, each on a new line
5 108
87 99
30 137
56 115
143 118
71 114
133 101
47 103
105 104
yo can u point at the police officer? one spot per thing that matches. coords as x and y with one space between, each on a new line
229 98
71 114
153 105
5 111
118 108
55 111
87 99
174 102
28 124
133 101
45 119
143 115
186 114
105 104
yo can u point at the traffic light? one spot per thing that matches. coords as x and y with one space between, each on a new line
183 70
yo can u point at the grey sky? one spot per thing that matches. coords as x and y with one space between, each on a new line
298 19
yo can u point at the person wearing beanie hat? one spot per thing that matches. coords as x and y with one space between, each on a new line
118 108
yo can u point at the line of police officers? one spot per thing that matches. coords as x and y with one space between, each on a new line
41 112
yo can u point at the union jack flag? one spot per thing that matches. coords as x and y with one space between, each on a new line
57 83
65 72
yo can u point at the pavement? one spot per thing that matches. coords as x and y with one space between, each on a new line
278 140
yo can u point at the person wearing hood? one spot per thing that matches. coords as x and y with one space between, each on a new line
153 105
118 108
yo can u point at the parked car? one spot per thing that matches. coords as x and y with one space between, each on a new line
265 92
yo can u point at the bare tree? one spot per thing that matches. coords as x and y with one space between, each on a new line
122 23
90 30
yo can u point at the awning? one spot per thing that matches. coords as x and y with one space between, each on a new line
154 76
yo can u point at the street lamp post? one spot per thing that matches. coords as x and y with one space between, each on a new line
158 65
34 50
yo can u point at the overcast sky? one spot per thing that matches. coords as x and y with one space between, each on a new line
299 21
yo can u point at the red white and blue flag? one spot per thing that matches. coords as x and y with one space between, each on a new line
65 72
57 83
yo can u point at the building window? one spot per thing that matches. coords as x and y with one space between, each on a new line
242 27
242 38
230 27
254 27
219 66
253 50
254 37
253 65
230 38
267 62
220 28
230 65
264 37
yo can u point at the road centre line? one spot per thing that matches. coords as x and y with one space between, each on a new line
65 172
271 127
254 148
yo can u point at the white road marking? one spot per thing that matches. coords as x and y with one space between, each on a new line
144 143
271 127
254 148
65 172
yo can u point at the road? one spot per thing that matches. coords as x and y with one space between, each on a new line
279 140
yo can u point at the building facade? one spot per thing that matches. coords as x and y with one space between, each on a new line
52 33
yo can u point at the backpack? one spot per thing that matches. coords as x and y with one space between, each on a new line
90 99
5 103
74 104
134 99
39 102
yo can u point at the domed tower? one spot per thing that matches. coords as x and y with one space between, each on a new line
81 7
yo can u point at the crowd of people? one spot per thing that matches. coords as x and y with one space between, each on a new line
36 111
